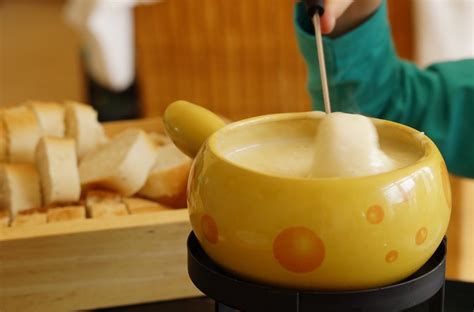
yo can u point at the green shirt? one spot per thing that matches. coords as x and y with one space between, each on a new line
366 76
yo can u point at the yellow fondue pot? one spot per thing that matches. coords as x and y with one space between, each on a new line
330 233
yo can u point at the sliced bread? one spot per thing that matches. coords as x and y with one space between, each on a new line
68 213
23 131
19 188
100 196
82 125
159 138
104 210
57 165
121 165
4 218
136 205
3 140
104 204
168 178
50 116
30 217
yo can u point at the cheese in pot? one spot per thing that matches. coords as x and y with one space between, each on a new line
346 145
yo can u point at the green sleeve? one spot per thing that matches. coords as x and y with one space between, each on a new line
366 76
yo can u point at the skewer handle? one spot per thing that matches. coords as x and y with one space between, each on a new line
314 6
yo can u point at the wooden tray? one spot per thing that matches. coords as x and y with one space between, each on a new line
91 263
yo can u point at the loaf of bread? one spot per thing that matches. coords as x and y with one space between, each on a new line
82 126
136 205
23 132
121 165
50 116
168 178
67 213
19 188
57 165
3 140
104 204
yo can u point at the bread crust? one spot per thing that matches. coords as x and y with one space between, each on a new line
4 218
127 176
3 140
23 133
104 204
83 126
167 182
30 217
57 165
67 213
136 205
50 116
19 188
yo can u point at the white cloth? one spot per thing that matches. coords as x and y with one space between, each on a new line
444 30
106 29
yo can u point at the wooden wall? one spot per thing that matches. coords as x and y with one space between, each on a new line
39 53
238 58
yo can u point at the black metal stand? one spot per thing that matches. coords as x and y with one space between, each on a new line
423 291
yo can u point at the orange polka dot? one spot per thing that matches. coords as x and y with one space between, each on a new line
298 249
421 236
391 256
446 183
209 229
374 214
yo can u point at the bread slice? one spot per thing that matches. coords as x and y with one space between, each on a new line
168 178
68 213
82 125
122 165
136 205
57 165
159 138
23 132
101 197
4 218
100 211
19 188
104 204
50 116
30 217
3 140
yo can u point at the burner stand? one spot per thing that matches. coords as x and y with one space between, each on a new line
423 291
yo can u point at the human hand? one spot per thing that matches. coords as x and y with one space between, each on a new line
340 16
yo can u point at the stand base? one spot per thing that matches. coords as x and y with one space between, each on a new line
423 291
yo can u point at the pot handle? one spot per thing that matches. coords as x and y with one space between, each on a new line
189 125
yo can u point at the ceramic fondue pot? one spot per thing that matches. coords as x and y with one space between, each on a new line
328 233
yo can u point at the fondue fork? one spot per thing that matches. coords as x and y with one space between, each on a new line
315 9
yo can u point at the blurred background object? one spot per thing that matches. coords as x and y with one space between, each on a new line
39 56
444 30
238 58
106 32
